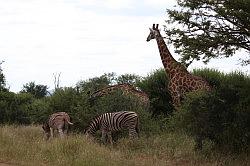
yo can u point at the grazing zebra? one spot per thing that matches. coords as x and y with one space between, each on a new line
114 121
58 121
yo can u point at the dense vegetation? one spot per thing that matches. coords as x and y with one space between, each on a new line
221 118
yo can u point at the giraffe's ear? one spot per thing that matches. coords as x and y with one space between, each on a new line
150 29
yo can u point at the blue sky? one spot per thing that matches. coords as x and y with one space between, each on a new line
82 39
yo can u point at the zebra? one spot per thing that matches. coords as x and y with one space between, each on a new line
115 121
58 121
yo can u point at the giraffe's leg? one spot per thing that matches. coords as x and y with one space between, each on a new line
175 99
175 95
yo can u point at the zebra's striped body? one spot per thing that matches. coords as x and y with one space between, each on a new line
115 121
58 121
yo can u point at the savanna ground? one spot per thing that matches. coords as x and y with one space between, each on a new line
25 145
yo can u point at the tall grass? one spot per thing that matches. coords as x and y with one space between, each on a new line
24 145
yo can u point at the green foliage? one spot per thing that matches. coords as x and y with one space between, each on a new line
131 79
209 28
14 107
155 85
203 116
38 91
221 116
2 80
233 88
39 110
107 79
93 84
63 99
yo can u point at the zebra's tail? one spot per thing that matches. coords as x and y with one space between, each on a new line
67 120
70 122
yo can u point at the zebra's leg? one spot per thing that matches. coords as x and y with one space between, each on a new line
51 132
110 138
104 134
66 127
60 131
132 133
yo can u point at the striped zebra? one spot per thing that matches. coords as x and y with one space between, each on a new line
115 121
58 121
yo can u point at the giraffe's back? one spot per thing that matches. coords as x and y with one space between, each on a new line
188 82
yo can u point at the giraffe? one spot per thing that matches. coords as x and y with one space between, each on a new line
180 80
126 89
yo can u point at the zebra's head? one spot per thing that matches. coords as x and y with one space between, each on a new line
93 126
46 129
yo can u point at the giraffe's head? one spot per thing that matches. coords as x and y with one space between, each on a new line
154 31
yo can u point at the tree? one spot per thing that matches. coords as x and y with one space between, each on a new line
38 91
155 86
2 79
128 78
95 83
209 29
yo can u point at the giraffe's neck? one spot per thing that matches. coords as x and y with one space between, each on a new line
169 63
106 90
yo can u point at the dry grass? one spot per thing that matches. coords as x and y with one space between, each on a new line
24 145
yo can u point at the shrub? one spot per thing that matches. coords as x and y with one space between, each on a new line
202 115
39 110
14 107
221 116
155 85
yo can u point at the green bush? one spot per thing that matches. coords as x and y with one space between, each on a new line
14 107
221 116
155 85
202 115
233 88
39 110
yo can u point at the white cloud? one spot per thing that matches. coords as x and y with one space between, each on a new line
160 3
118 4
42 37
110 4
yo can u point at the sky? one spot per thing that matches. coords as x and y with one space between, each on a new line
82 39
